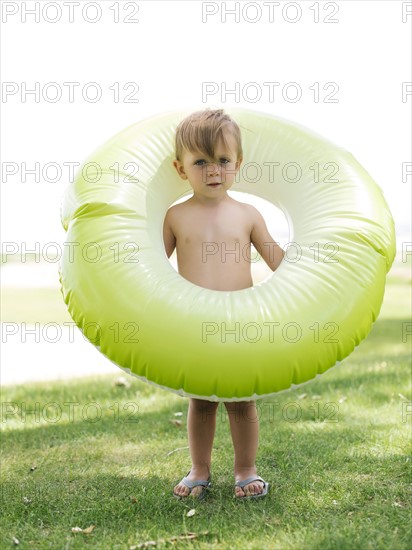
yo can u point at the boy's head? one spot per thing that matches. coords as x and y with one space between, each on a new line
200 131
208 151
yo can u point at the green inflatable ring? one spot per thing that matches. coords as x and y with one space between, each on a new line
124 294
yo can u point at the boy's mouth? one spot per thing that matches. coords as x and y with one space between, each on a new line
213 184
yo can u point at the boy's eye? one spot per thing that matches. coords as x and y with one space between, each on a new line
201 162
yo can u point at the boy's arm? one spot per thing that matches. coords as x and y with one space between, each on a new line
169 238
270 251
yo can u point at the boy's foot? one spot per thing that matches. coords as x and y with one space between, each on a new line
193 484
256 486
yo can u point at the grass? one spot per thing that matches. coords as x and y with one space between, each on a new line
34 305
340 472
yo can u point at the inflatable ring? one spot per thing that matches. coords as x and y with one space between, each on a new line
128 300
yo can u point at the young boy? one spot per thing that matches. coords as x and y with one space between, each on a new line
208 155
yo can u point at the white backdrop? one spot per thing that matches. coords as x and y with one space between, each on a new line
357 54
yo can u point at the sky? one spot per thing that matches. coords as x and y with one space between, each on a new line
342 69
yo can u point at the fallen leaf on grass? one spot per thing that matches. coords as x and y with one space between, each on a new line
302 396
133 500
32 468
85 531
26 500
122 381
178 449
191 512
179 414
270 521
145 544
16 541
176 422
187 536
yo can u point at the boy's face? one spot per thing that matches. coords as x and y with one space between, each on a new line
210 177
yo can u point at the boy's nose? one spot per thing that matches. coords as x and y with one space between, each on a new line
212 169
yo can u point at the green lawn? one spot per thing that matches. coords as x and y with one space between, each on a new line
34 305
340 472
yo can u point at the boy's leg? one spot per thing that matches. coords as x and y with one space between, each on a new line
244 426
201 425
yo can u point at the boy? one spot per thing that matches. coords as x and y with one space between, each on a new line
208 155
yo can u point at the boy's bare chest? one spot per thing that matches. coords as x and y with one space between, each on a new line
229 229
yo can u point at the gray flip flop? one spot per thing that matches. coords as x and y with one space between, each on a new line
206 483
243 483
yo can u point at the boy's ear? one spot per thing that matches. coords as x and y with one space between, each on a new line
180 170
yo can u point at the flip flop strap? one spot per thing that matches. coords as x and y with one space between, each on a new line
249 480
190 484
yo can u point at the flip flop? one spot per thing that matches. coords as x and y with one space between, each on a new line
206 483
243 483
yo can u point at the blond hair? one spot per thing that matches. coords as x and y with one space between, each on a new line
201 130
